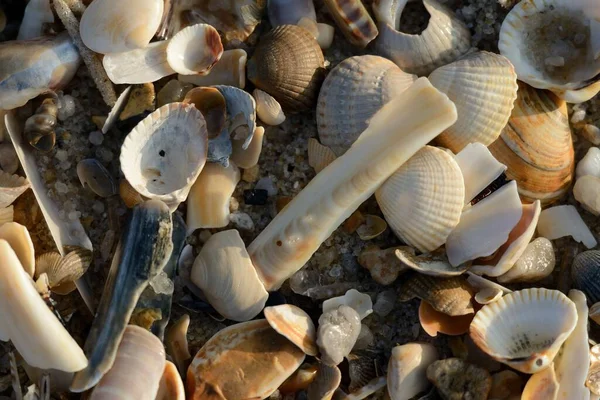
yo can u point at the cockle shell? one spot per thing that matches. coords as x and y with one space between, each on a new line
360 302
19 240
444 40
434 322
589 164
229 70
423 200
243 361
295 324
171 385
352 93
479 168
326 382
483 86
164 154
224 272
289 12
541 386
138 65
536 262
11 187
525 329
450 296
407 370
559 221
63 272
110 26
585 273
354 21
289 65
267 108
194 50
337 334
319 156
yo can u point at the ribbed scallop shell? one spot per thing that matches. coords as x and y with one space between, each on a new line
423 200
525 329
327 381
352 93
11 187
289 65
68 270
450 296
483 86
585 272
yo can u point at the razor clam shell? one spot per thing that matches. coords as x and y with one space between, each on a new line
450 296
6 215
352 93
289 12
229 70
483 86
536 262
267 108
479 168
139 65
328 379
37 13
354 21
194 50
19 240
396 133
11 187
319 156
248 158
295 324
360 302
407 370
541 386
434 264
559 221
171 385
142 253
445 39
177 345
525 329
589 164
585 272
423 200
241 112
434 322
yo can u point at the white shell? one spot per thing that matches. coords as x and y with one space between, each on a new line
361 302
541 386
295 324
139 65
267 108
525 329
434 264
587 192
194 50
536 262
229 70
19 240
444 40
488 295
589 164
479 168
407 370
480 283
423 200
37 13
224 272
164 154
241 113
559 221
483 86
11 187
325 35
319 156
114 26
248 158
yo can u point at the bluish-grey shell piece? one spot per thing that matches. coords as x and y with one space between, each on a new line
240 107
219 148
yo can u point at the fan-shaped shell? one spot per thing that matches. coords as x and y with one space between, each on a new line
352 93
450 296
11 187
267 108
295 324
483 86
585 272
423 200
525 329
61 275
319 156
194 50
289 65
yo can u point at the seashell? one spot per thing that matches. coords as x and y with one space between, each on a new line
296 233
592 381
587 192
95 177
354 21
172 92
142 253
506 384
383 265
445 39
433 264
221 270
171 385
32 67
229 70
559 221
450 296
160 164
480 118
372 227
311 26
364 392
423 200
176 343
267 108
536 146
147 64
337 334
541 386
299 380
362 84
488 295
208 203
525 329
502 210
589 164
457 379
6 215
140 358
35 332
241 113
480 283
212 105
289 65
479 168
319 156
328 379
242 361
37 13
116 110
194 50
9 161
130 197
360 302
248 158
364 365
293 323
11 187
289 12
536 262
108 26
141 100
71 267
434 322
19 240
407 370
584 272
39 128
568 34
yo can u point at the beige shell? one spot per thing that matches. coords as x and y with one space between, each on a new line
295 324
407 369
352 93
483 86
229 70
525 329
360 302
479 169
267 108
372 227
434 264
176 343
536 146
450 296
541 386
319 156
213 106
19 240
444 40
139 65
63 274
423 200
354 21
11 187
248 158
224 272
488 295
327 380
171 385
194 50
289 65
129 195
434 322
559 221
6 215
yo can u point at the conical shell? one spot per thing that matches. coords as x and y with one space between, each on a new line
525 329
483 86
585 272
354 21
171 385
194 50
450 296
536 146
434 322
139 65
327 381
11 187
352 93
295 324
407 370
18 237
423 200
164 154
289 65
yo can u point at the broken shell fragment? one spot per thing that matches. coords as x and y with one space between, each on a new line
94 176
211 103
248 158
177 345
171 385
289 12
587 192
300 379
241 113
372 227
434 322
584 271
457 379
19 240
541 386
319 156
479 168
194 50
327 380
267 108
295 324
480 283
229 70
360 302
129 195
63 274
364 392
506 385
434 264
138 65
11 187
450 296
559 221
383 265
337 334
354 21
536 262
172 92
407 370
589 164
488 295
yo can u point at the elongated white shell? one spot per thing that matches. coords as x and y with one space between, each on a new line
139 65
295 324
194 50
11 187
558 221
589 164
19 240
525 329
423 200
224 272
267 108
479 168
407 370
229 70
361 302
164 154
395 133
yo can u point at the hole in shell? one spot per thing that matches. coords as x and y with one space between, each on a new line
161 153
279 243
414 18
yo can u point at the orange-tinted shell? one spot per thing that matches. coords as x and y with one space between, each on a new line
434 322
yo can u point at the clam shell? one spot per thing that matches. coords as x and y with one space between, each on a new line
139 65
541 386
248 158
299 380
354 21
319 156
536 262
171 385
559 221
585 272
164 154
267 108
479 169
6 215
434 264
360 302
242 361
444 40
372 227
293 323
289 65
229 70
587 192
483 86
488 295
176 343
337 334
328 379
434 322
589 164
11 187
352 93
129 195
194 50
525 329
407 370
450 296
423 200
93 175
19 240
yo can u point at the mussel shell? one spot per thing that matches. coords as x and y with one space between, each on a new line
93 175
586 274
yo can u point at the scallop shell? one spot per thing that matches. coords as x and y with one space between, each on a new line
536 262
354 21
525 329
444 40
352 93
423 200
248 158
360 302
589 164
267 108
229 70
171 385
129 195
479 169
434 264
434 322
289 12
559 221
585 272
293 323
11 187
407 370
139 65
328 379
70 268
176 343
536 146
541 386
164 154
483 86
19 240
319 156
450 296
194 50
289 65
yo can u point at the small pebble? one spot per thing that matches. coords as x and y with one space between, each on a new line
242 221
61 187
105 155
384 304
456 379
591 133
256 197
251 174
337 334
98 207
268 185
96 138
578 116
61 155
66 108
234 205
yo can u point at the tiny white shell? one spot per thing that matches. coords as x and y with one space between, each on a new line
587 192
267 108
194 50
139 65
361 302
479 168
589 164
558 221
229 70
